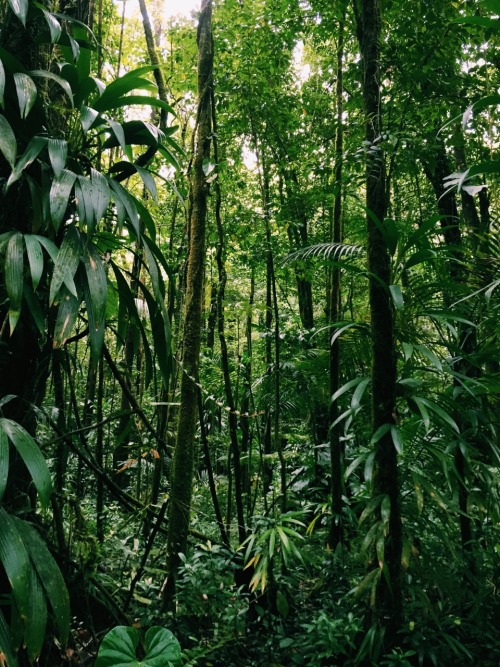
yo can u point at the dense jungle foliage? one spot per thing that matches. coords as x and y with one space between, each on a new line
249 333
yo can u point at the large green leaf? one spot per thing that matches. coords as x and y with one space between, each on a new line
52 22
84 203
36 623
67 313
118 648
119 88
142 100
8 143
68 259
34 148
14 277
88 117
26 92
101 193
95 298
54 77
127 313
20 9
58 153
50 576
160 328
35 258
129 209
59 196
32 457
15 562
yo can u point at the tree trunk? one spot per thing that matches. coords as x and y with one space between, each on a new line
388 603
336 458
182 473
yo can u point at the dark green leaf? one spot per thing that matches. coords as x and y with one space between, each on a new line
397 296
59 196
118 648
34 148
26 92
68 310
36 621
127 203
101 193
66 264
35 258
88 117
97 297
58 153
15 561
372 505
20 9
14 277
50 576
32 457
54 77
8 144
397 439
52 22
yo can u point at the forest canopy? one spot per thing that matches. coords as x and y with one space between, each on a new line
249 333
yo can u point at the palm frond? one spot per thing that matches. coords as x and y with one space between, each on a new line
326 252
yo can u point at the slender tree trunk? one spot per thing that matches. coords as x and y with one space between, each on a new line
246 436
221 290
336 458
388 602
182 473
154 58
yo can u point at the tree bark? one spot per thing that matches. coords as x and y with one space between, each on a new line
182 473
388 603
336 457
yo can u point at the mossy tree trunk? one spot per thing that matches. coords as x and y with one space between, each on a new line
182 473
336 455
388 604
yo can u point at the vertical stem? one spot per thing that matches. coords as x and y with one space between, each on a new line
99 454
336 458
182 472
388 604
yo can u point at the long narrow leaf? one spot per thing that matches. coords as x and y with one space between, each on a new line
50 576
66 317
59 196
32 457
58 153
26 92
34 148
14 277
35 258
95 298
66 264
54 77
15 561
20 9
8 143
36 621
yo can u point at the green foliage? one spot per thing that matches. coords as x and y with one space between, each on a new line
119 648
